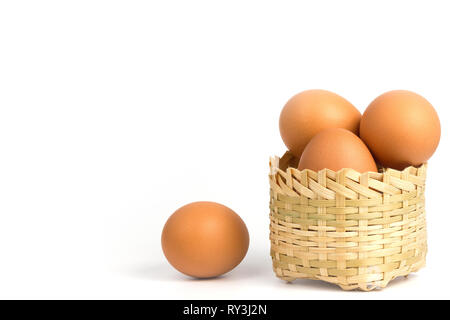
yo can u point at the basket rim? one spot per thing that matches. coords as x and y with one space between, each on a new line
347 183
274 162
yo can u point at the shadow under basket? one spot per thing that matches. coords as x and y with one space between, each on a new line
358 231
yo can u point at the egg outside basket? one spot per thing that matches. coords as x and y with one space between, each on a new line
351 229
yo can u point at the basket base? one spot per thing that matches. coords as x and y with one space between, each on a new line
369 286
288 279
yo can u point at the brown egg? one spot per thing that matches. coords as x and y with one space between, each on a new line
336 149
312 111
401 128
204 239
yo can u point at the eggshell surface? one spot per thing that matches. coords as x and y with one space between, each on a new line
336 149
204 239
401 128
312 111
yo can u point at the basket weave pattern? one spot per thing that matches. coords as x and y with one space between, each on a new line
354 230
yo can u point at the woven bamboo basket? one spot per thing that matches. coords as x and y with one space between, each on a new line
358 231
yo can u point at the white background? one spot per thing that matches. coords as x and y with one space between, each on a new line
115 113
